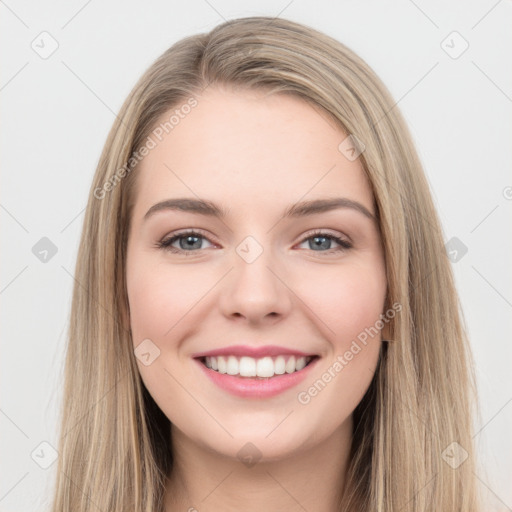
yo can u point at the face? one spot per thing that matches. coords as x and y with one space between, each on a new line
271 284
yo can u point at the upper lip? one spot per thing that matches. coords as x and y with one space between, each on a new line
255 352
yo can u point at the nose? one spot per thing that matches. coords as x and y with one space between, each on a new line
256 291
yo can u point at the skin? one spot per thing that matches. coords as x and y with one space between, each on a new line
256 155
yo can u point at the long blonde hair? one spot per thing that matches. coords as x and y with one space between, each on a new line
115 442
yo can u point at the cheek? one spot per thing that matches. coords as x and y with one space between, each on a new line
160 295
350 303
342 301
347 300
337 303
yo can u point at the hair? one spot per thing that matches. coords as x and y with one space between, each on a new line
114 445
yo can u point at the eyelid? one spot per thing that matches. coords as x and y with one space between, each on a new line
344 242
165 242
190 231
326 231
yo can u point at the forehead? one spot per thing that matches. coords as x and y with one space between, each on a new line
251 149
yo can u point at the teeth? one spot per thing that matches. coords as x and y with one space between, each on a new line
250 367
247 367
300 363
279 365
232 366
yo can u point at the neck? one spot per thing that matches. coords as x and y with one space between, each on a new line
206 481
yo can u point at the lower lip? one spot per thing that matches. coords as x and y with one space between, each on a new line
248 387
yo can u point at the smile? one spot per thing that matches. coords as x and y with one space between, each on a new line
261 378
264 367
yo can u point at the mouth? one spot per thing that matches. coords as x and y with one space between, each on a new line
256 378
265 368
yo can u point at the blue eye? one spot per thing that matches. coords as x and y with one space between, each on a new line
321 240
191 241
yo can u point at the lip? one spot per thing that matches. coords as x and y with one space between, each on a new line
259 388
255 352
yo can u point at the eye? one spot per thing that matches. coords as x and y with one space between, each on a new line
191 241
322 240
188 241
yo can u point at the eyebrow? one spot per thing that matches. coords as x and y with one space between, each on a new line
302 209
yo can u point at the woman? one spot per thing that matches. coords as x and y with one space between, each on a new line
260 371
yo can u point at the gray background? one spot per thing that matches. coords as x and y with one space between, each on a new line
58 108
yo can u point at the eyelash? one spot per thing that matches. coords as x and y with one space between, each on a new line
165 244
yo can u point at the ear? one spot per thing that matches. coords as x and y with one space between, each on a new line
387 318
125 316
385 332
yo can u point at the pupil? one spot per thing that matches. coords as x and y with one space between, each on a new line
188 239
324 244
327 240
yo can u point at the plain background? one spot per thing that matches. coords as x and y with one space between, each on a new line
57 111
